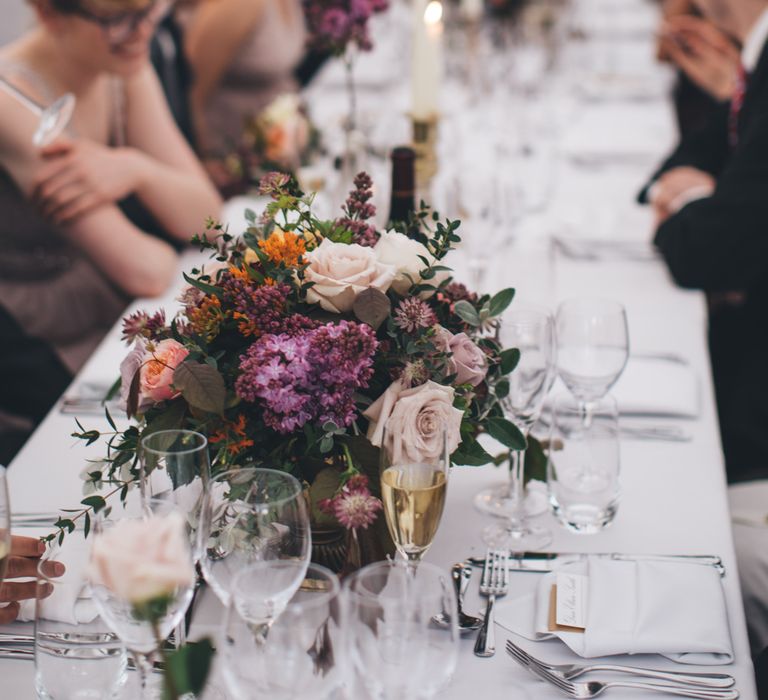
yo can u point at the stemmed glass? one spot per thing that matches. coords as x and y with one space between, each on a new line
52 120
530 330
303 656
139 634
175 466
592 348
255 518
395 647
5 523
413 488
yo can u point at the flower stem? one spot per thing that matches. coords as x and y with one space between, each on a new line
170 684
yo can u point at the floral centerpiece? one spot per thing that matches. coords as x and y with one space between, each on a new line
302 339
280 138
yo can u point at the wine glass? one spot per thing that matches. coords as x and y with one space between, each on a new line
52 120
530 330
395 648
175 466
140 627
592 348
413 488
303 656
5 522
254 517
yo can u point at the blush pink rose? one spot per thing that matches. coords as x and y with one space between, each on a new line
470 361
415 419
156 374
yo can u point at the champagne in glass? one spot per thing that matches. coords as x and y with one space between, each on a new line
413 493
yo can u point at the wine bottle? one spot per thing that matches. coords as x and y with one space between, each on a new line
402 202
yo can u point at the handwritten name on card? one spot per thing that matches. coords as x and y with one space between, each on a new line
571 605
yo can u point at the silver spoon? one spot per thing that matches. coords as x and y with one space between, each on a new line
460 574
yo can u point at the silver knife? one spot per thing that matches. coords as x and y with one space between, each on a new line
28 654
549 561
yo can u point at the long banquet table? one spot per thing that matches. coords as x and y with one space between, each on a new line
673 494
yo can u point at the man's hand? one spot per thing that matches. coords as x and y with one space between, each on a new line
23 563
80 175
706 55
675 188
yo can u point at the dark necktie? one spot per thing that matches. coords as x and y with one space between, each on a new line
737 102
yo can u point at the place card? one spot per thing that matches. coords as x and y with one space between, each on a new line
568 603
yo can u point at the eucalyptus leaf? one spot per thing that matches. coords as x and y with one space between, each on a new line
201 385
509 360
467 313
507 433
372 306
500 301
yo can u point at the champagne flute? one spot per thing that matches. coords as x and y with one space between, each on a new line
5 522
413 491
592 348
531 330
254 517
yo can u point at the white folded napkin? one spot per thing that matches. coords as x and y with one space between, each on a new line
70 601
674 609
651 386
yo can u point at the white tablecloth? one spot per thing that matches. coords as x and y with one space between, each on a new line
674 494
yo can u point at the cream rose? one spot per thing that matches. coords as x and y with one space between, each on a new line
340 272
414 419
403 253
143 560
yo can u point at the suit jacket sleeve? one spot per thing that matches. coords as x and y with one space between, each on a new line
721 243
705 149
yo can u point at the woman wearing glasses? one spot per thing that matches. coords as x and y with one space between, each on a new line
69 258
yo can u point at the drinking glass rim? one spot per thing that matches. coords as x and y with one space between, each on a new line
219 478
530 309
189 451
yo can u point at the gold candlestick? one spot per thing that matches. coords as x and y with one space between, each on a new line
425 132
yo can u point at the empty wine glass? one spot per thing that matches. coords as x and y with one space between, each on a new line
5 522
592 348
303 655
530 330
141 626
254 517
414 481
395 649
175 466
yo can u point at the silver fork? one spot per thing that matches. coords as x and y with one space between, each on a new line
495 582
571 671
592 689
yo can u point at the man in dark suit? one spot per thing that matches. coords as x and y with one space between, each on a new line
711 202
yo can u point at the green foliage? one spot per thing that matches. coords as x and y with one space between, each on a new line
189 668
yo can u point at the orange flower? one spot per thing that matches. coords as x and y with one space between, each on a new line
205 320
233 434
284 247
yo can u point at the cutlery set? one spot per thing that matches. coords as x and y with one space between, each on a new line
495 584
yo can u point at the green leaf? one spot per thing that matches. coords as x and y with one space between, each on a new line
113 390
471 453
87 526
201 385
132 405
506 433
467 313
203 287
501 301
189 668
109 418
502 388
95 502
535 461
509 360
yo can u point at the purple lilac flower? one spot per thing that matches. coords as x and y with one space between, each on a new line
308 377
357 211
334 24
